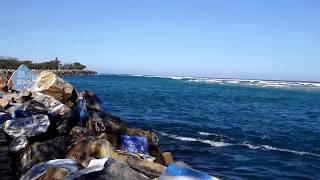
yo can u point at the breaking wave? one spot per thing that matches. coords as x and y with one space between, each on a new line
260 83
267 147
244 82
189 139
246 144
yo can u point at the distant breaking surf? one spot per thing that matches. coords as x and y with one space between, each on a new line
304 85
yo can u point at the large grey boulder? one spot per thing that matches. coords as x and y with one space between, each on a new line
40 152
113 169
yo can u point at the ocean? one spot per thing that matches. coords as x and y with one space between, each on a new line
229 128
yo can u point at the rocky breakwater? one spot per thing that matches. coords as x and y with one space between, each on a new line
55 132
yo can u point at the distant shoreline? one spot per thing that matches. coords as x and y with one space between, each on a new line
59 72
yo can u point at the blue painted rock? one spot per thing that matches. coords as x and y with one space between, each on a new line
22 79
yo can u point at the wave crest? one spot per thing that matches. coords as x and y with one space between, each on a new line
246 144
244 82
205 141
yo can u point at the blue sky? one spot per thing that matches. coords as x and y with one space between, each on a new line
268 39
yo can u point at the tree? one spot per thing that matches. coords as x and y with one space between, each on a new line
14 63
78 66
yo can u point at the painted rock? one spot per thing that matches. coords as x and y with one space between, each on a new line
21 79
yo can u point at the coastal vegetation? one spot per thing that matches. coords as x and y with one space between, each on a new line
14 63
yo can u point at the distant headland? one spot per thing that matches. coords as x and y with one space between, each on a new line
10 64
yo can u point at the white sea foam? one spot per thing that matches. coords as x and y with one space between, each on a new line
243 82
189 139
246 144
208 134
259 83
267 147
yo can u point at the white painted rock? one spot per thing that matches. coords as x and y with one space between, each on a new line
28 126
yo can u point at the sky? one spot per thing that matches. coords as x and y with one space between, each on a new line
259 39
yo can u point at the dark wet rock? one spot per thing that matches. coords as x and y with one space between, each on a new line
53 168
150 169
90 147
113 169
80 150
26 95
23 114
40 152
55 173
3 117
19 144
34 106
2 109
13 108
63 127
77 132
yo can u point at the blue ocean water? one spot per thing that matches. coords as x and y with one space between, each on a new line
231 129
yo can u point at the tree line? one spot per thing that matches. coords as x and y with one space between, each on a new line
14 63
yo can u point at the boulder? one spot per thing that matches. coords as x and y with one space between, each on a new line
4 102
26 95
55 173
40 152
18 144
28 126
34 106
77 132
150 169
90 147
63 127
115 129
48 101
50 84
3 117
22 79
167 157
62 111
80 150
4 76
101 148
51 169
112 169
13 108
